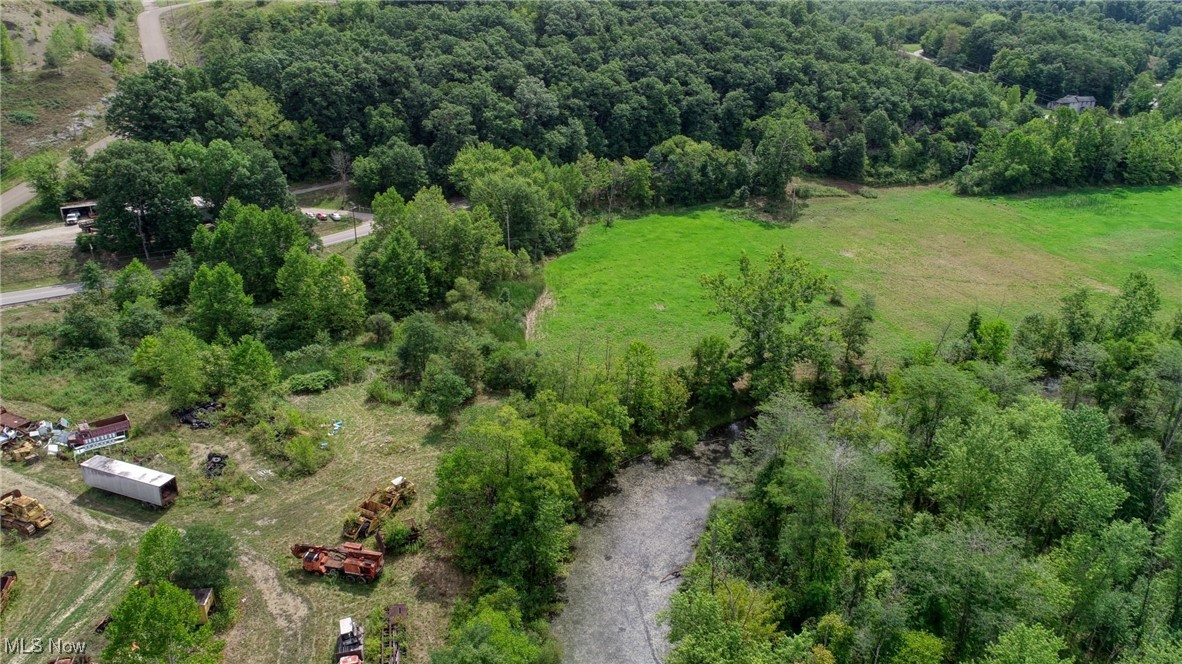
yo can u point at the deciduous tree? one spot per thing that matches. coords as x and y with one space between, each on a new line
217 303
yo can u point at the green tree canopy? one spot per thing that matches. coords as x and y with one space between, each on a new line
217 303
252 241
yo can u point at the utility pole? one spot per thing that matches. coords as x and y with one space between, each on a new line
353 213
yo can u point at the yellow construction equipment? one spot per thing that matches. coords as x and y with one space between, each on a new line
22 452
23 513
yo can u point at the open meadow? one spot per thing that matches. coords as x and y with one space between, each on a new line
928 257
73 573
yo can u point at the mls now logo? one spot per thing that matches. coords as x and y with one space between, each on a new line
37 646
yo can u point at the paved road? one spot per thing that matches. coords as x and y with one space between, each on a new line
152 32
364 227
155 48
63 235
22 193
38 294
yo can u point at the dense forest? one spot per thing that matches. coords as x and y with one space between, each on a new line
1004 494
390 94
657 105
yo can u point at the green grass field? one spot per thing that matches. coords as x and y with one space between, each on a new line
929 258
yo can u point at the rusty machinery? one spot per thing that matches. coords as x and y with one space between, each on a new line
349 560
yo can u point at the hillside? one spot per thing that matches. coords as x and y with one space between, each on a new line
52 99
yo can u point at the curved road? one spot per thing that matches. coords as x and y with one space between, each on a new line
364 227
155 48
152 38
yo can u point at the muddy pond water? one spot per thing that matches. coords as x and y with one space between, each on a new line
644 527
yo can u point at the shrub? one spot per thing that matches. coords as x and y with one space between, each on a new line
305 456
421 337
88 325
282 439
310 358
381 391
662 451
509 368
348 363
317 381
265 440
381 326
85 243
397 538
104 52
442 391
226 611
140 318
22 117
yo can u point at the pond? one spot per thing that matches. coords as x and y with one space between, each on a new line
643 529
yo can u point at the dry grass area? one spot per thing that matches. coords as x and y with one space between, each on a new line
53 98
73 573
24 266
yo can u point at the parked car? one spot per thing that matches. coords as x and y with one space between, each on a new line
320 216
73 218
336 216
309 215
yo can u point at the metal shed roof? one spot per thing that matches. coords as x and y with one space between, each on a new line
11 419
127 470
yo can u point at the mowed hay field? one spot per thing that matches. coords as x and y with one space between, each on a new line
73 573
929 258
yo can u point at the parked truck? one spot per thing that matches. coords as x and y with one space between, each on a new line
151 487
22 513
350 642
98 434
349 560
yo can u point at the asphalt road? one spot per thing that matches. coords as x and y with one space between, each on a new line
364 227
22 193
63 235
152 32
155 48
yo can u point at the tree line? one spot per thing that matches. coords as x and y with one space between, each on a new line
1011 494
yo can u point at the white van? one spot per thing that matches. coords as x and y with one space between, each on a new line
73 218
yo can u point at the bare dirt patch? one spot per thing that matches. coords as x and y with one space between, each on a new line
62 502
544 303
288 609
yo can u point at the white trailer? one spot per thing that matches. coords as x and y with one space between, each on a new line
151 487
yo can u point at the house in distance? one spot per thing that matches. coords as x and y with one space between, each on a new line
1076 102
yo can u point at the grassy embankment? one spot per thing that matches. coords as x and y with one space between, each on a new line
40 103
929 258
